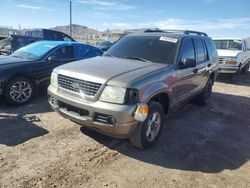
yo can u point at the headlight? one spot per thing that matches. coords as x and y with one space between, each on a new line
113 94
53 80
232 61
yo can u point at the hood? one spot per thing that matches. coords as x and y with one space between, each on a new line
6 60
109 70
228 53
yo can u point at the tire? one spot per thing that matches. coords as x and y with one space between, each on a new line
245 69
203 98
143 138
19 91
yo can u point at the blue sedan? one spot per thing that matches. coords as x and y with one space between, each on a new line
29 68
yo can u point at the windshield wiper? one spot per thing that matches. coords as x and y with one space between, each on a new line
16 56
109 55
136 58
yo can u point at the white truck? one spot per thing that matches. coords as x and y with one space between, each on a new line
234 54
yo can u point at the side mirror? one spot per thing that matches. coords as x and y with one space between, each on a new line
52 58
186 63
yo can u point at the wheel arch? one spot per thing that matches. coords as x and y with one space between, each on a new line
163 99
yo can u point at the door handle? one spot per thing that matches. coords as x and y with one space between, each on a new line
195 70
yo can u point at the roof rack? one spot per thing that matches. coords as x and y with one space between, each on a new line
187 32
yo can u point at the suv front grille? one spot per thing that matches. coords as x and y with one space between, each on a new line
77 85
222 60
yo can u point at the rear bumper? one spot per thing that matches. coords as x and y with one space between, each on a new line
122 114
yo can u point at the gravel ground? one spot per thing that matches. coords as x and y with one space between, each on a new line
200 147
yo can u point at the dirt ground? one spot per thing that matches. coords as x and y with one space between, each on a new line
200 147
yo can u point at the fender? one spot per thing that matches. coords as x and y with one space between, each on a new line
154 90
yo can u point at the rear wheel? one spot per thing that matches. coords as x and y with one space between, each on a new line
203 98
148 132
19 91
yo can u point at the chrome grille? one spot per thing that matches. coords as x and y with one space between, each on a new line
77 85
222 60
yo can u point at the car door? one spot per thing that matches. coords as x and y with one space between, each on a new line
186 82
60 56
202 63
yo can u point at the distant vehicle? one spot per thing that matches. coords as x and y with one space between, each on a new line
29 68
105 45
128 91
14 42
234 55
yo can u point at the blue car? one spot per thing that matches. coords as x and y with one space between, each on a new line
29 68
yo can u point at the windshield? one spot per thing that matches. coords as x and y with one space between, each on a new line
35 50
228 44
159 49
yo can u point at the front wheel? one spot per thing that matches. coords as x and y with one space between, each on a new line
245 69
147 133
19 91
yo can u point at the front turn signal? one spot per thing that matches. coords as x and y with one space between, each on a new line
141 112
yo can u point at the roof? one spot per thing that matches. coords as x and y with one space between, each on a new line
227 39
169 33
59 43
174 35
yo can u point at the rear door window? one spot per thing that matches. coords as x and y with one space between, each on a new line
199 49
211 48
65 52
83 52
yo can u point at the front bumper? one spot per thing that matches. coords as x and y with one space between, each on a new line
228 68
86 113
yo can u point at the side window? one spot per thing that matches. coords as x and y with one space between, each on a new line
83 52
211 48
66 52
187 50
244 45
205 50
200 52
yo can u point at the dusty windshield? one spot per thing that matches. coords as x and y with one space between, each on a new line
228 44
35 50
158 49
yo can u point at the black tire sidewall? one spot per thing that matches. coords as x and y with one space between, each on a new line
8 86
153 107
209 84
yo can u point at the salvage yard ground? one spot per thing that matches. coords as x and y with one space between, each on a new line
200 147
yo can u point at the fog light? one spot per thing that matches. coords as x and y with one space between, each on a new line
141 112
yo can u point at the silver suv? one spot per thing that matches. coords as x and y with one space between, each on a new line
128 91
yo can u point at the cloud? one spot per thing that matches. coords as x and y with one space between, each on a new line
29 7
106 5
174 23
32 7
100 15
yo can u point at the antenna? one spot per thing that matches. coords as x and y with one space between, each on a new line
70 18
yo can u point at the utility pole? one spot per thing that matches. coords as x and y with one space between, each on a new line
70 17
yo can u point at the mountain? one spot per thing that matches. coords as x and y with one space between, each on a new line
78 31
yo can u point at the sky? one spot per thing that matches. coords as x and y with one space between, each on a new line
218 18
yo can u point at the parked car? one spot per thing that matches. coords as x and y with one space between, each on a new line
144 76
234 55
105 45
14 42
30 67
